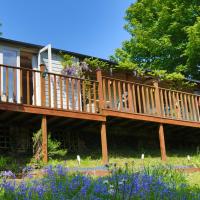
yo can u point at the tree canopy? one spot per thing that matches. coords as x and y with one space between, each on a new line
165 38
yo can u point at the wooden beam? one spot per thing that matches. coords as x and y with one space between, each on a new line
63 122
104 143
33 119
51 112
143 117
44 139
162 143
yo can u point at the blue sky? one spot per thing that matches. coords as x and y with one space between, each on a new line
92 27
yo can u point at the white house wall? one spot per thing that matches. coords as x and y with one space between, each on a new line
57 68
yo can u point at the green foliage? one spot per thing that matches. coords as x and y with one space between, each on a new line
54 148
95 63
3 162
8 163
67 60
165 35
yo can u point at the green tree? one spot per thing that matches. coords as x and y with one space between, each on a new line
165 38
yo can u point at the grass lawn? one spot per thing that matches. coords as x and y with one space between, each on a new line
134 161
120 157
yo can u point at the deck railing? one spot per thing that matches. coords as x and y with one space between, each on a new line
49 90
40 88
125 96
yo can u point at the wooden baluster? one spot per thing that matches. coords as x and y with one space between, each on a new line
170 104
109 94
7 82
134 98
34 89
152 101
104 92
130 99
78 93
14 85
147 98
157 98
28 87
124 96
84 98
120 95
181 106
190 108
67 92
138 97
115 95
178 110
49 89
42 82
197 106
162 103
100 91
61 93
175 105
21 86
94 93
55 91
89 96
186 107
73 102
143 100
167 109
193 108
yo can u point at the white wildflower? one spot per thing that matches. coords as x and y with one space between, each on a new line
111 191
105 182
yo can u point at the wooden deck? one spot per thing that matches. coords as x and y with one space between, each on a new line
48 94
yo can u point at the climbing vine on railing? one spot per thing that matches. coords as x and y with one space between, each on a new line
72 67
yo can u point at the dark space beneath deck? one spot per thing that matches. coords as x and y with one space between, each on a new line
83 136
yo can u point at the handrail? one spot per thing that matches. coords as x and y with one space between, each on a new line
29 86
51 73
179 91
131 82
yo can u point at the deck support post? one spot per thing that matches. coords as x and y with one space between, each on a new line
162 143
44 139
104 143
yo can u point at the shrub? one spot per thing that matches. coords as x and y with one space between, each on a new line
54 146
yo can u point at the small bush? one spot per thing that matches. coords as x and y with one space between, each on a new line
54 148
